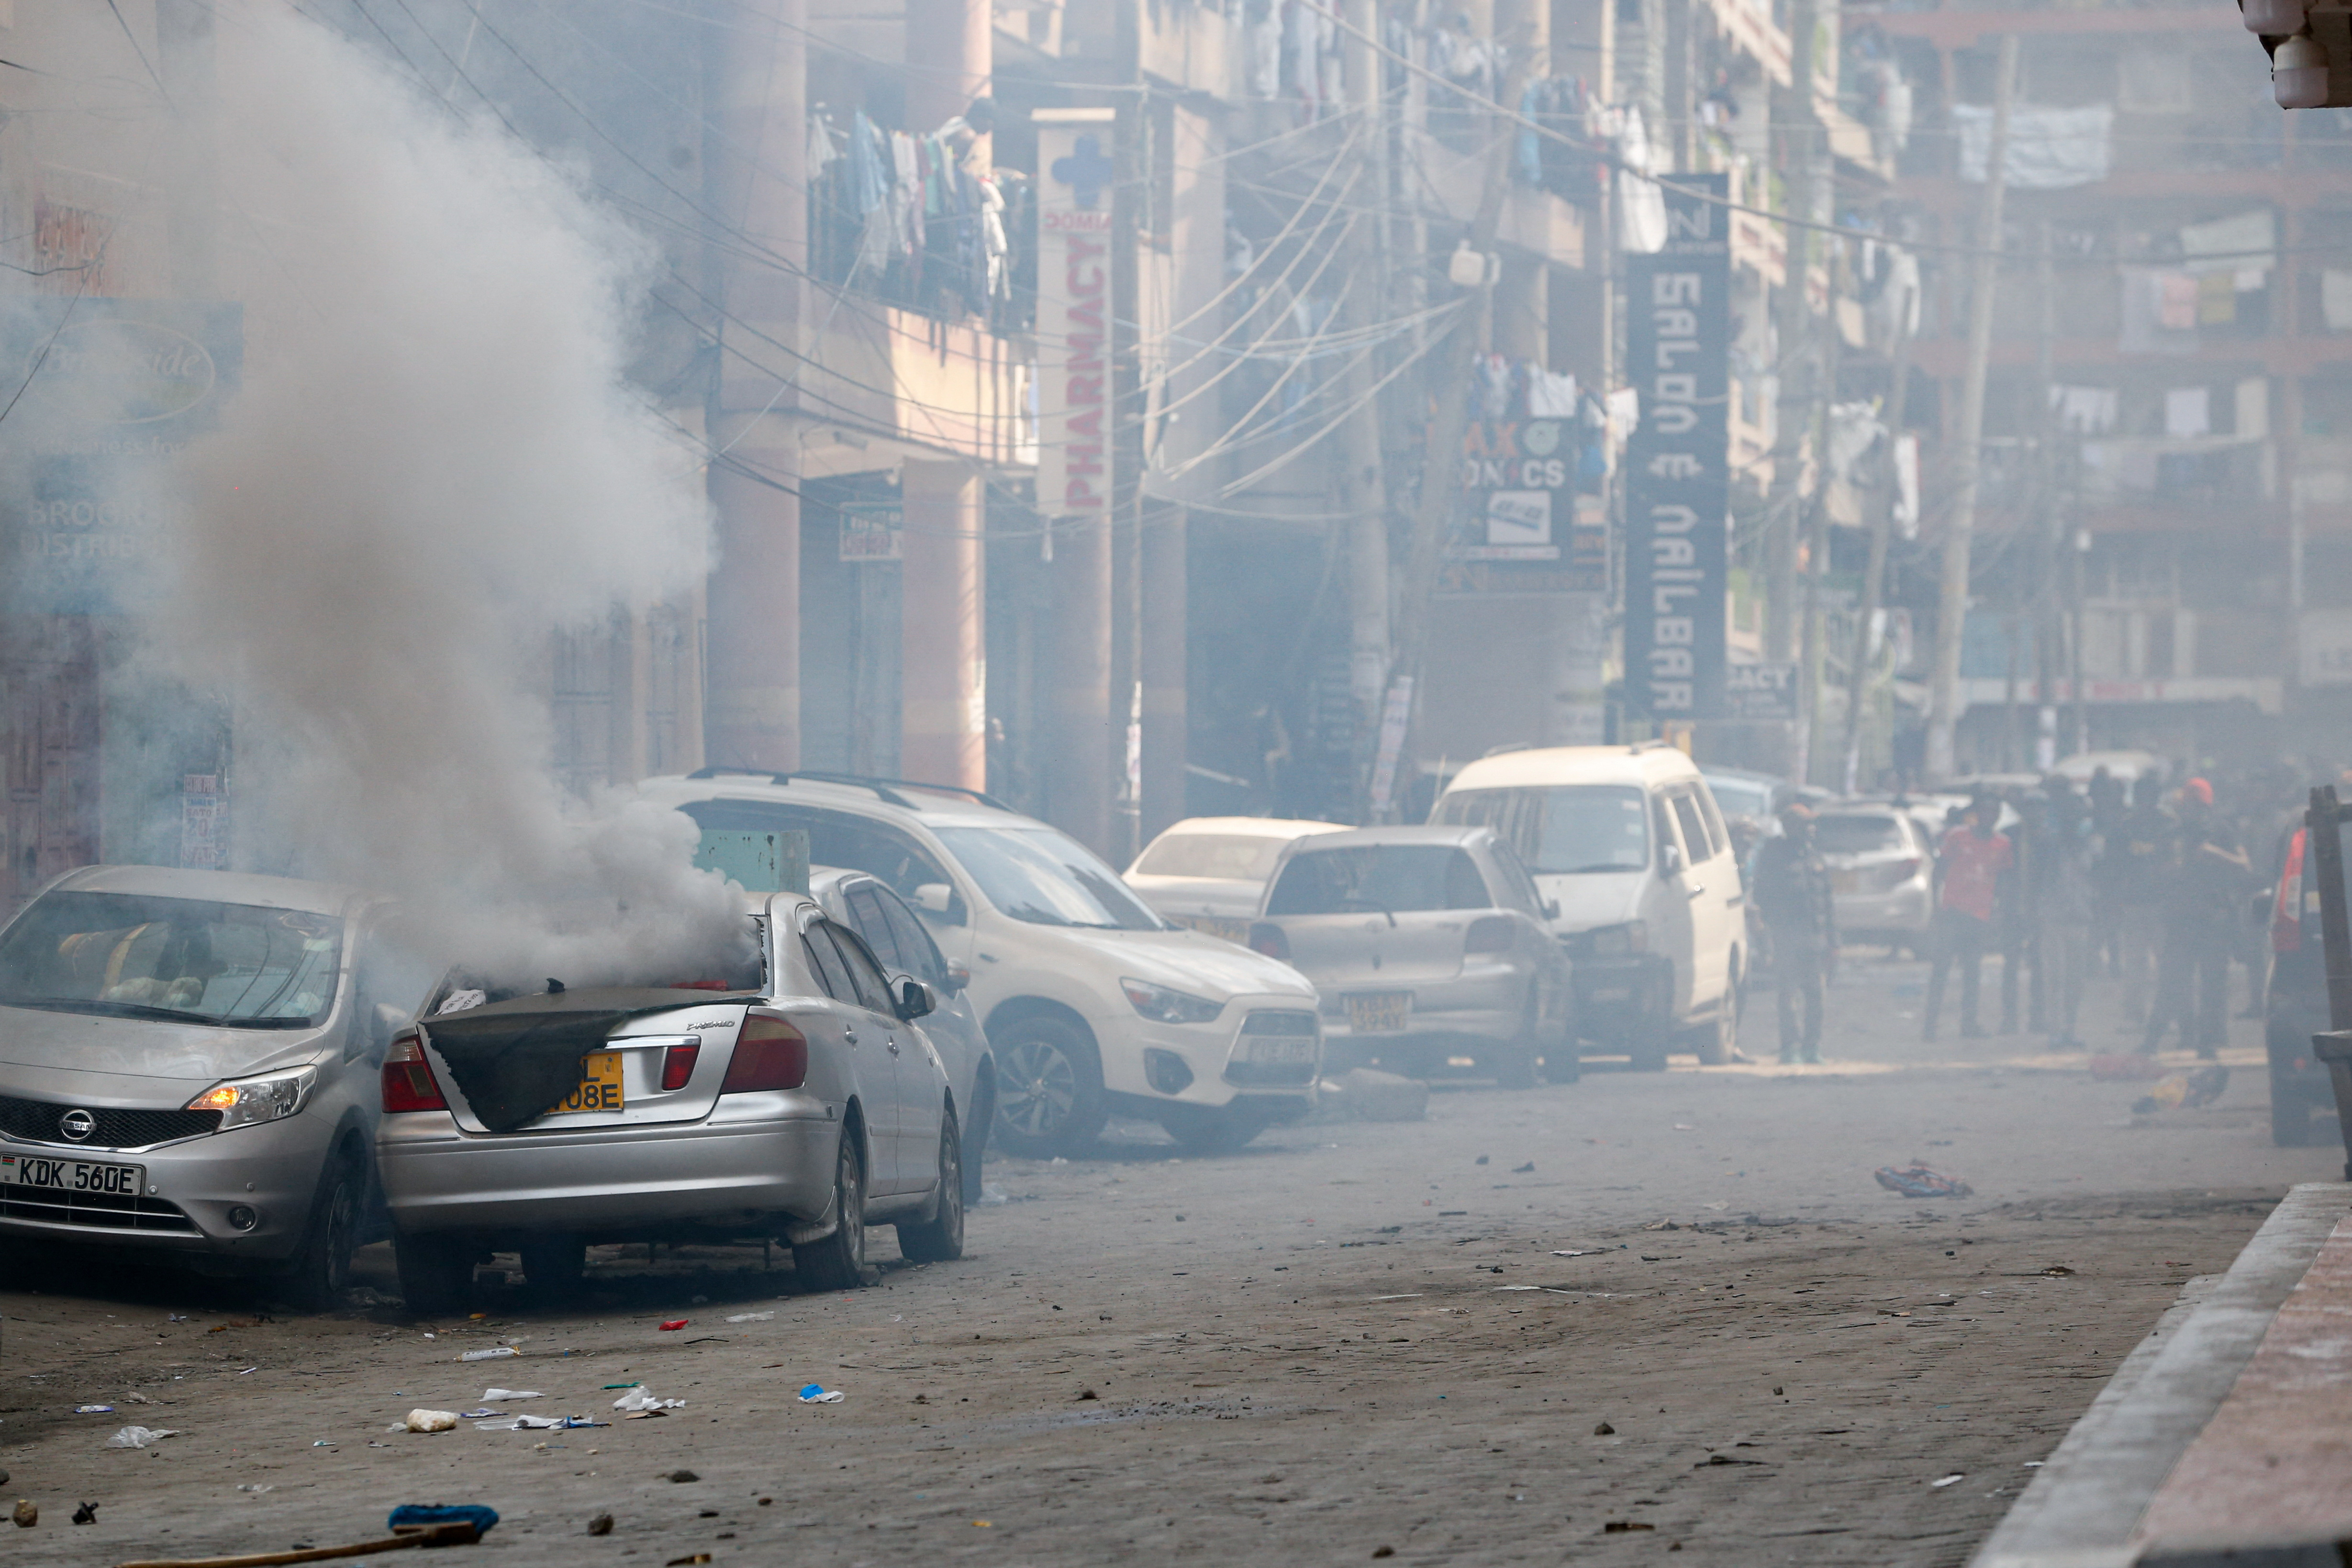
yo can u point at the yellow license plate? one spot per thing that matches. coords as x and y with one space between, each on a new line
1234 930
600 1084
1379 1012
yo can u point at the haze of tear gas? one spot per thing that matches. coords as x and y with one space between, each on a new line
433 465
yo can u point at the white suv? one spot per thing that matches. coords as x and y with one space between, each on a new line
1092 1003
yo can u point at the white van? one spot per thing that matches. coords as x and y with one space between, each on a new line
1628 845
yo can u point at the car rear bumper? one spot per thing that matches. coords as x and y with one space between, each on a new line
1906 909
606 1181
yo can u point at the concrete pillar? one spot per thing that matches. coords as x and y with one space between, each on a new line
950 58
753 699
1080 783
943 675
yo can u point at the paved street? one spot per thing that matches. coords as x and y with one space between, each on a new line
1348 1338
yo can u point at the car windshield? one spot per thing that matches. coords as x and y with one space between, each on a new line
1565 829
1387 878
1039 876
1857 834
1235 857
175 959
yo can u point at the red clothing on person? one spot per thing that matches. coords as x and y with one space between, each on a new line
1973 866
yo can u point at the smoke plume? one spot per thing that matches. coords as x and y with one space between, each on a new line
434 464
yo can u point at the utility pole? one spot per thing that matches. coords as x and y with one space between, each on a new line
1817 553
1795 323
1952 606
1873 576
1362 489
1450 364
2050 631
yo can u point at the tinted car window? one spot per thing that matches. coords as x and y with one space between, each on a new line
873 990
132 955
915 945
1393 878
1045 878
836 838
865 918
1694 827
825 961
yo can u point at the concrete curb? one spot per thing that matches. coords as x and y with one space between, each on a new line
2082 1506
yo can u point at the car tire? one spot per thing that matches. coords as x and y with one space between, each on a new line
318 1273
1716 1042
1513 1064
2290 1118
437 1274
1049 1089
1203 1131
940 1238
837 1262
553 1267
983 1119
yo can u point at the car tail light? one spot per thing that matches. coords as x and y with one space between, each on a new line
1269 938
1489 933
408 1081
2287 914
769 1054
677 1065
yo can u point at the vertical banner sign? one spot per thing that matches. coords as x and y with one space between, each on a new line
1677 337
1073 313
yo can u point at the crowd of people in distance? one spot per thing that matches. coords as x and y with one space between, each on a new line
2153 882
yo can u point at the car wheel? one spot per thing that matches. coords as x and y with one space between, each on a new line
320 1269
1647 1048
437 1274
838 1262
940 1238
2290 1118
984 1118
1200 1130
1715 1042
1513 1065
1049 1093
553 1265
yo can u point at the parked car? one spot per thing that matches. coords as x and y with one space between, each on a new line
1628 843
1882 874
2294 1003
802 1101
1426 943
188 1070
867 907
1209 872
1092 1003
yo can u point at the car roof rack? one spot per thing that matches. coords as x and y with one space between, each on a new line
887 788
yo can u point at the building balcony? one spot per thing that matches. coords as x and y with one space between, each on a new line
1536 221
891 383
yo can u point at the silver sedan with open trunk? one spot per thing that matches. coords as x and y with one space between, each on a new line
1426 944
794 1097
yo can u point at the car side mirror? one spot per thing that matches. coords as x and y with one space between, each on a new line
959 976
1672 861
1551 909
915 999
934 898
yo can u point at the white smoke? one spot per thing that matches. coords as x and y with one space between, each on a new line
432 466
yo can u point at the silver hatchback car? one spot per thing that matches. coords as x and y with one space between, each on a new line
794 1100
1426 944
188 1069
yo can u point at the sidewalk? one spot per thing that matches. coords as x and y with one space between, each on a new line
2230 1424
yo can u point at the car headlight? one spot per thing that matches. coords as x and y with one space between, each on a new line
1618 941
248 1100
1169 1006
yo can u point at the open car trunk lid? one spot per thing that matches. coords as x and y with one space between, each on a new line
584 1060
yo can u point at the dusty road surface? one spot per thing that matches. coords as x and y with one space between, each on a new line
1638 1315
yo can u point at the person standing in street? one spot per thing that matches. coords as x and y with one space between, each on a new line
2204 875
1969 865
1792 888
